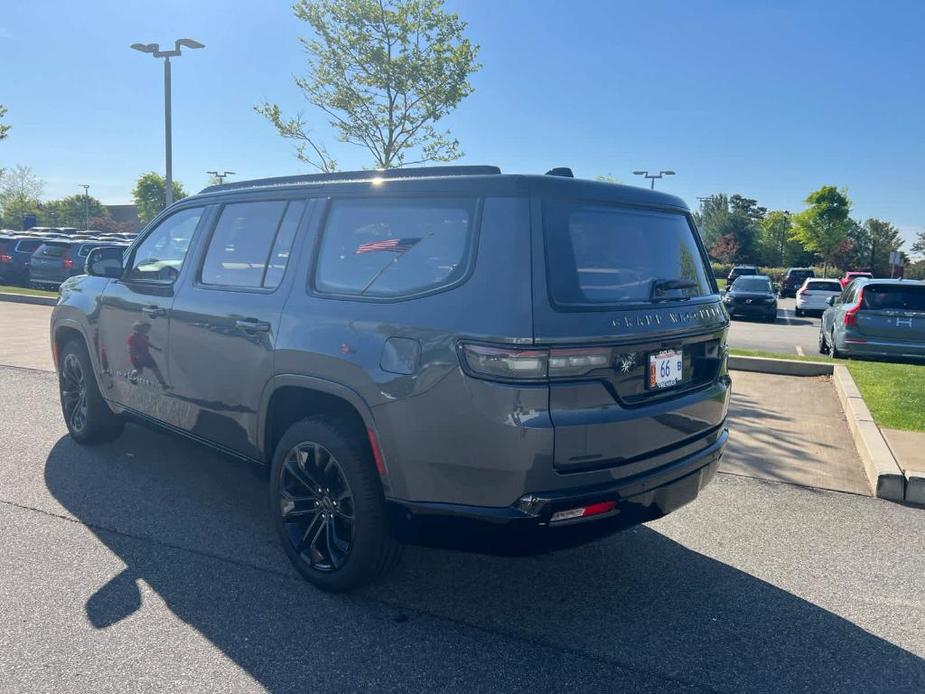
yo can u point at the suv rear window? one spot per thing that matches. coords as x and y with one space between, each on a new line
824 286
393 248
53 250
800 274
597 254
897 297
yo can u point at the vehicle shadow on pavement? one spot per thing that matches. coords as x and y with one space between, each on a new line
637 608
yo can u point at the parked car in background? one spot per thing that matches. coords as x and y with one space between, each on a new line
814 295
875 318
15 256
55 261
346 331
752 296
740 270
846 280
794 279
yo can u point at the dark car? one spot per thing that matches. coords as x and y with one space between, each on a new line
752 296
740 270
55 261
794 279
875 318
15 255
445 355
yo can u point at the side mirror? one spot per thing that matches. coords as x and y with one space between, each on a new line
104 262
831 300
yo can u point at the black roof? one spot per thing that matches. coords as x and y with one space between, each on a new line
465 178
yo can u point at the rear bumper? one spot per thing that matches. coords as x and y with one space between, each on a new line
872 347
527 526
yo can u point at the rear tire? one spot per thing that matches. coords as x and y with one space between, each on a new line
798 312
86 414
823 343
328 506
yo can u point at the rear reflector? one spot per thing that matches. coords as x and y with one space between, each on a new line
584 511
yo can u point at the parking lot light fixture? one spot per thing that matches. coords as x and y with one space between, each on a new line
155 50
86 188
220 176
653 176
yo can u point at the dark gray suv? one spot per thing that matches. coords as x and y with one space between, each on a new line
444 355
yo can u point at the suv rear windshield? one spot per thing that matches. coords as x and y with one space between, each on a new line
891 296
597 254
800 274
824 286
53 250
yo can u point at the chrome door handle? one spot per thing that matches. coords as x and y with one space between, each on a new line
154 311
250 325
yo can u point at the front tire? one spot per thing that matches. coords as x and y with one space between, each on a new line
86 414
823 343
328 506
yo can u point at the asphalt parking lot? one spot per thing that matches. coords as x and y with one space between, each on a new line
789 334
149 563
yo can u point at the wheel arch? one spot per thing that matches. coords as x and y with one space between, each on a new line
288 398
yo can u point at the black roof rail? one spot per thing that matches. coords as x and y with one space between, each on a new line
563 171
366 175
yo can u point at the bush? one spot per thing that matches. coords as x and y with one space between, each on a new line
721 270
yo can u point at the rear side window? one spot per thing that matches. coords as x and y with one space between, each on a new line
28 246
250 239
608 255
822 286
53 250
896 297
393 248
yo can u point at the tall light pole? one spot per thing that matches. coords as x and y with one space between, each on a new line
155 50
220 176
86 188
660 174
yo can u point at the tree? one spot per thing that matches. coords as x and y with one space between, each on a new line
918 246
736 217
884 238
149 195
4 129
384 72
726 249
606 179
20 190
823 226
72 211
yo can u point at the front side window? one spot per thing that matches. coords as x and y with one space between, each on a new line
392 248
598 254
159 257
250 245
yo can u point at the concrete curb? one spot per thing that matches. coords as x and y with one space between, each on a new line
783 367
26 299
886 479
915 488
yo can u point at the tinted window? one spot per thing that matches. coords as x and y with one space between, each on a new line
752 284
52 250
159 257
822 286
388 248
240 245
598 254
28 245
279 257
897 297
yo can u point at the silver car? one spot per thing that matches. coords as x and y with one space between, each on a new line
876 318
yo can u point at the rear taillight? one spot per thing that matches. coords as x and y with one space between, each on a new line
4 258
533 364
68 263
851 315
801 292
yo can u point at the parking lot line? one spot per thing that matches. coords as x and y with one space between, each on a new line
800 350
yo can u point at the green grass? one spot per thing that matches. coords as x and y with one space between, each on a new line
27 291
895 393
721 282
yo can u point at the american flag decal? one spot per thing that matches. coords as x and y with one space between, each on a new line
394 245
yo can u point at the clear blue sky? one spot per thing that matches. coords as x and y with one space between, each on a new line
767 99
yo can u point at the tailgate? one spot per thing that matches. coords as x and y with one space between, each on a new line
893 312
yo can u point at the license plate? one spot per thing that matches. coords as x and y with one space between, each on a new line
666 368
